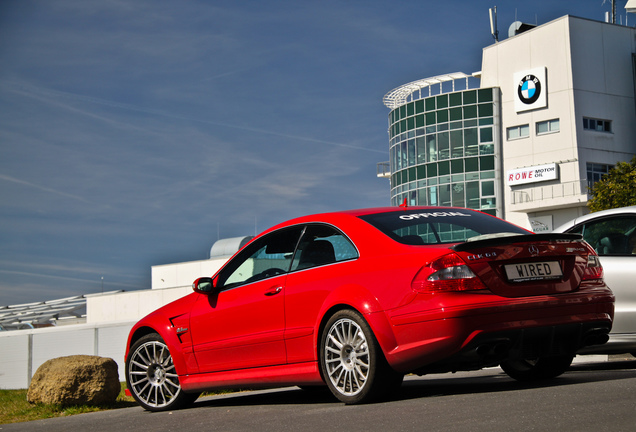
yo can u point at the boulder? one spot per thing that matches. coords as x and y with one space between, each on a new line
75 380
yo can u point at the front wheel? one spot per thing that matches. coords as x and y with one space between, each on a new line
536 369
151 376
352 362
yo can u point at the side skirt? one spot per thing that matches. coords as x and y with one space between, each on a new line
263 377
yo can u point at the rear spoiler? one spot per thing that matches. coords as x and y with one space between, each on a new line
514 238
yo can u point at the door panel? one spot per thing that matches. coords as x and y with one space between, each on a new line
242 323
321 263
620 275
614 239
241 327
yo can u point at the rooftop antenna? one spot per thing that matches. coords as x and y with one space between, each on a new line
613 11
612 17
493 23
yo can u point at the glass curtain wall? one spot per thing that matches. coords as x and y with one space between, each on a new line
442 150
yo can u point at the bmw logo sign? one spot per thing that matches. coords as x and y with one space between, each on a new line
529 89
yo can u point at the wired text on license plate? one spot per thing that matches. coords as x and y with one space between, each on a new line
533 271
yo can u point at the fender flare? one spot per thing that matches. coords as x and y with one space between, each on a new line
358 298
157 323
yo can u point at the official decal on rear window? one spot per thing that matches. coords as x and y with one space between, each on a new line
426 226
431 215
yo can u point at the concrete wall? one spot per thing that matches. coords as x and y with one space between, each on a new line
109 318
130 305
22 352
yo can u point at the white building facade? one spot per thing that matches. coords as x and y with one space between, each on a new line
564 113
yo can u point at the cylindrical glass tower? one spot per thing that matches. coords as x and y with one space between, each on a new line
445 149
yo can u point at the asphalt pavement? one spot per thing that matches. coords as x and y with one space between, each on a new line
590 397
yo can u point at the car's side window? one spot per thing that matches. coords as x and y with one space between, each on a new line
612 236
266 257
321 245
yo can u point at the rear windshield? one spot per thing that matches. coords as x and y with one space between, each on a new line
425 227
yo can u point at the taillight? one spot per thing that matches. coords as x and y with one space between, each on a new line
593 269
447 273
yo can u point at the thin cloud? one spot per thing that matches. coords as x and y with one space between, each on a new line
66 278
43 188
54 97
38 267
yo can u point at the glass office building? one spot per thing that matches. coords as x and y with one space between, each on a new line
444 148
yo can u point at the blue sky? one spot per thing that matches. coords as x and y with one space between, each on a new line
137 133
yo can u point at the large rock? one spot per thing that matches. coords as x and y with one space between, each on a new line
75 380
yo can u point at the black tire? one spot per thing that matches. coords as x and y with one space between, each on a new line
152 378
537 369
352 362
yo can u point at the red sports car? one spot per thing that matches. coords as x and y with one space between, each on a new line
356 299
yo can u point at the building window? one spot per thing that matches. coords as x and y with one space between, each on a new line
597 125
548 126
485 135
516 132
595 172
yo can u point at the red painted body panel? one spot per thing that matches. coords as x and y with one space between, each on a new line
266 333
221 341
273 376
166 321
431 329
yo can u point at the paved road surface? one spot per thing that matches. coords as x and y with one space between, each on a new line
591 397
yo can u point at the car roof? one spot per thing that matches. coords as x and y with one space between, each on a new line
596 215
331 217
372 210
366 211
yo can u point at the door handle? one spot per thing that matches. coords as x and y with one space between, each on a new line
273 291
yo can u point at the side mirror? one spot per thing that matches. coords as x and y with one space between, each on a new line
203 285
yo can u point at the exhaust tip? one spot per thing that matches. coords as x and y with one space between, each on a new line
596 339
496 350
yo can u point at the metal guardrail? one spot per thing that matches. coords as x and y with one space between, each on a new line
560 190
384 170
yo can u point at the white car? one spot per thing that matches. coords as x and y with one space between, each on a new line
613 234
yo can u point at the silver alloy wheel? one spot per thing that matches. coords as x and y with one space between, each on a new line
347 357
152 375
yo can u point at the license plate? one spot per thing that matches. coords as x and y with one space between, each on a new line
533 271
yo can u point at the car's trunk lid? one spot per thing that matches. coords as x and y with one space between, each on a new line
527 265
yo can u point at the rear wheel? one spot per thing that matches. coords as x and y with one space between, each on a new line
151 376
536 369
352 362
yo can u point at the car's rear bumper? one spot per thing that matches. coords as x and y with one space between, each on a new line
484 329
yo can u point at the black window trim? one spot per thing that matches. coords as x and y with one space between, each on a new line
304 226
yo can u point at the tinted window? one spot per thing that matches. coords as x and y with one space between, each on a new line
268 256
610 236
438 226
321 245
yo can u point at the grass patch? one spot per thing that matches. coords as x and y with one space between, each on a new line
14 407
